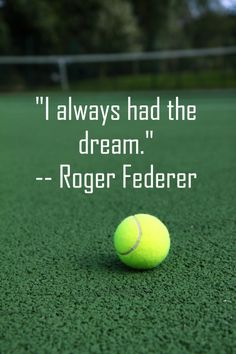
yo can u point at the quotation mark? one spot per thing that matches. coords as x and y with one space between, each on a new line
43 101
39 99
149 134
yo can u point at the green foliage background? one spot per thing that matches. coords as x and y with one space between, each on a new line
92 26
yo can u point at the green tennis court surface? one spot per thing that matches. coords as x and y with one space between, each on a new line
62 288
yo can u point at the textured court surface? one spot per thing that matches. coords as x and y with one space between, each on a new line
62 288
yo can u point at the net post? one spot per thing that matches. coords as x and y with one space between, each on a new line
63 74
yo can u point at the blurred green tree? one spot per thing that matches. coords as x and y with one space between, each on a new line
5 41
152 16
100 26
173 35
77 26
32 26
212 30
68 27
116 28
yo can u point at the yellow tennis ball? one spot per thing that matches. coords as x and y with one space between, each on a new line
142 241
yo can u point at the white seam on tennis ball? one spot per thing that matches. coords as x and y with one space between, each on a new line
138 239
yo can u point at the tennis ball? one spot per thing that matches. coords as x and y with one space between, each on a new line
142 241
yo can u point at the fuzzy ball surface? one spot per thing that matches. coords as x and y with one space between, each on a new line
142 241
